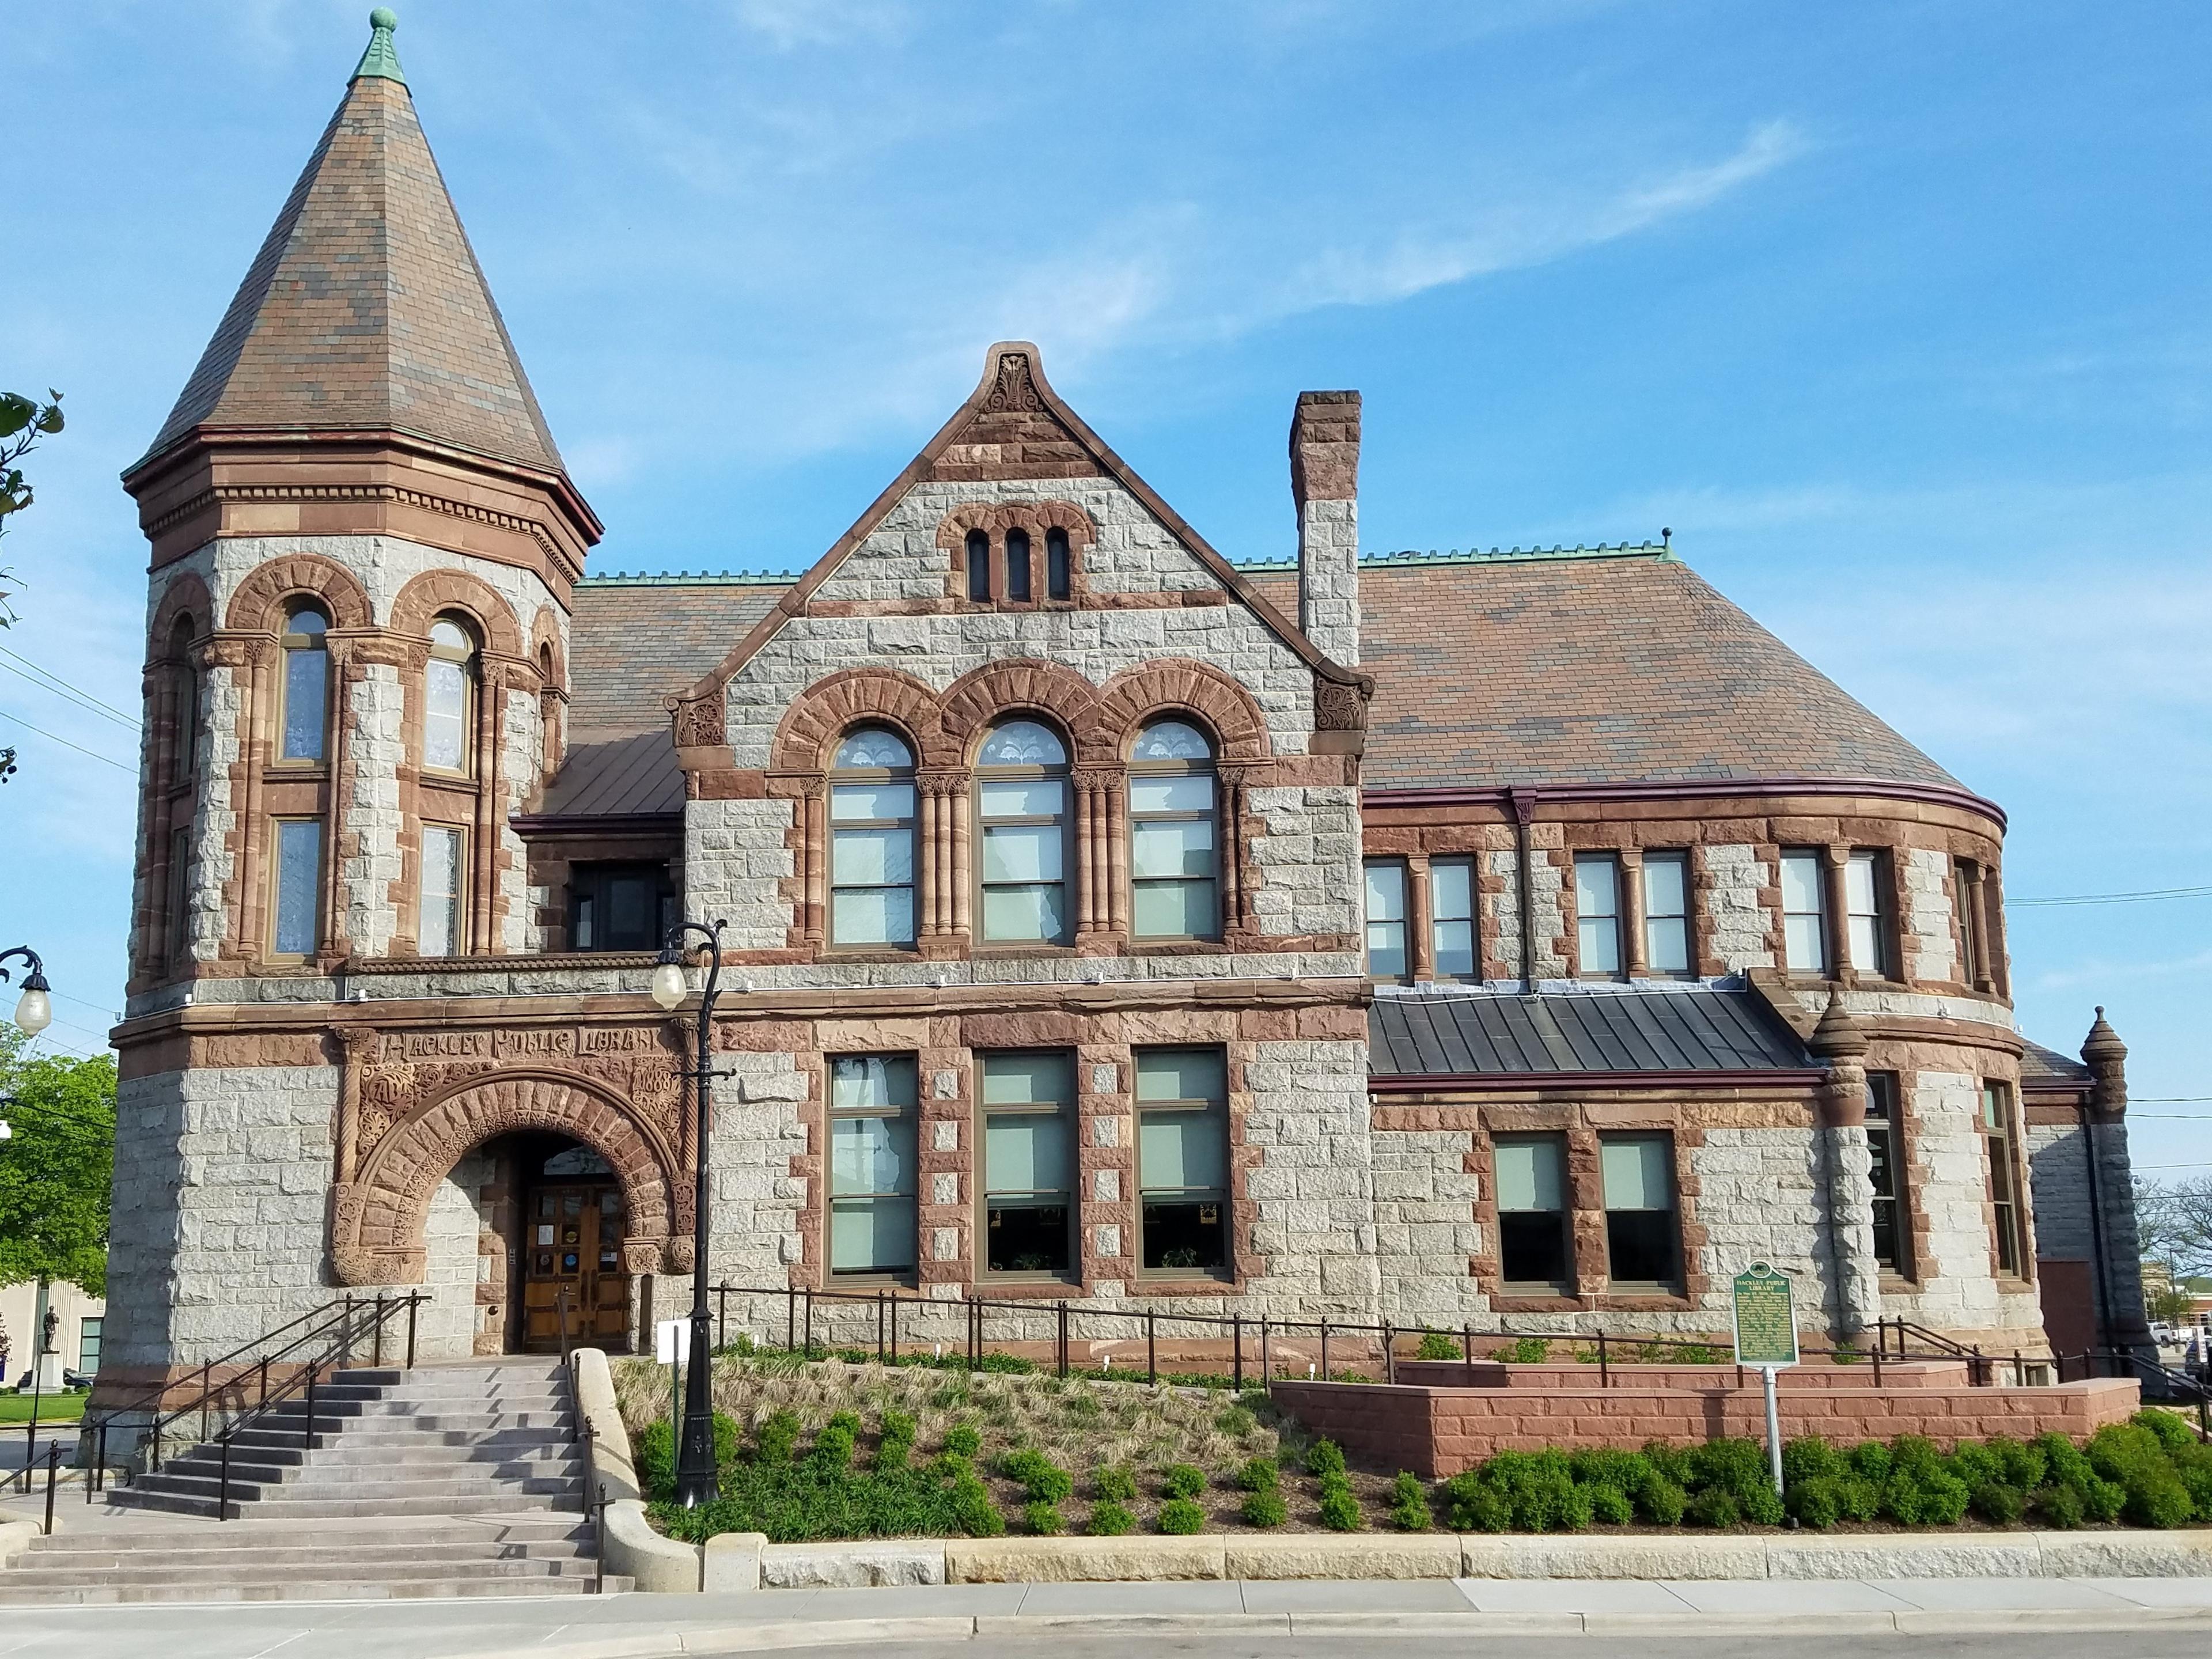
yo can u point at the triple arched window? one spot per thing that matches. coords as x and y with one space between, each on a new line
872 862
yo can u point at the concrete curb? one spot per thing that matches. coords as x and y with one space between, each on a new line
15 1537
634 1549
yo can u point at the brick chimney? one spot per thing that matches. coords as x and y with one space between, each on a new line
1325 485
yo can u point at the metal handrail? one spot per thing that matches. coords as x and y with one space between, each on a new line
207 1367
2178 1383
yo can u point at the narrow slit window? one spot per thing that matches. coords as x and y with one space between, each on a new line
978 563
306 685
1666 913
180 894
1451 907
1183 1159
1973 961
1532 1213
1386 919
1997 1134
873 1179
1029 1162
1885 1146
1804 914
1597 915
441 911
1058 565
1639 1174
1018 564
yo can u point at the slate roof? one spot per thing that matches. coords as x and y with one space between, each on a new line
1630 1029
2047 1068
366 309
1616 666
634 640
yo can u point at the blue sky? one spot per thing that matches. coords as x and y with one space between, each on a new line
1895 313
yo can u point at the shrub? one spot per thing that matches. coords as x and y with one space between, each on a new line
1110 1519
833 1445
1042 1481
1977 1465
2172 1430
1871 1460
1181 1516
1339 1510
1183 1480
1528 1351
1734 1465
1258 1474
1670 1463
1716 1508
1324 1457
1472 1504
775 1435
1114 1484
2062 1458
895 1450
1817 1502
1916 1455
2104 1499
962 1439
1934 1498
1625 1471
2061 1508
2157 1501
2026 1463
1611 1505
1999 1505
854 1356
1435 1344
1266 1508
1809 1457
1762 1506
1541 1487
1661 1502
1409 1504
978 1515
1042 1517
1858 1498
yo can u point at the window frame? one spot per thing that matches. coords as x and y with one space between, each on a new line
1594 858
1564 1215
1404 923
975 560
1881 920
1210 815
1885 1117
862 777
1059 564
1966 878
457 932
1472 920
1672 1285
1672 858
909 1111
1218 1110
1020 586
1070 1117
1998 1121
594 881
177 900
295 641
1826 965
96 1325
466 660
277 825
1062 773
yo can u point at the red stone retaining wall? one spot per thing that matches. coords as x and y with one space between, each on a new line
1551 1378
1437 1432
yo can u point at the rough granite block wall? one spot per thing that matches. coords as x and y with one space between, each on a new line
522 744
215 818
1425 1231
1734 875
1328 576
736 858
1954 1287
1930 952
1315 1186
383 565
1306 861
454 1267
757 1200
1759 1199
371 871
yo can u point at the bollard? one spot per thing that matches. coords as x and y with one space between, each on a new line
791 1319
1324 1350
1605 1372
1152 1354
53 1470
895 1301
1063 1340
413 1302
222 1484
1237 1353
1263 1351
599 1549
1389 1354
879 1328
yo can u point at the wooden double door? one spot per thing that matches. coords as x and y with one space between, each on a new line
572 1242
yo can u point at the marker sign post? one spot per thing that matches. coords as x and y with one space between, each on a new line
671 1340
1766 1341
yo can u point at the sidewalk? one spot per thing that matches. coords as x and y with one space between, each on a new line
638 1626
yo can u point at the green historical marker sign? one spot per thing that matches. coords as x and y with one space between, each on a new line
1765 1321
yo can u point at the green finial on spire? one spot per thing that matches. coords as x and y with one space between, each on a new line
381 62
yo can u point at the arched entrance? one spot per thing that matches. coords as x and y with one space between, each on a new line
574 1219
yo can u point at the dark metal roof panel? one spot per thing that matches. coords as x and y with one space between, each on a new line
1479 1034
616 777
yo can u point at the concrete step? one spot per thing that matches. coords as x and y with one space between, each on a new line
328 1570
480 1501
89 1556
308 1589
206 1468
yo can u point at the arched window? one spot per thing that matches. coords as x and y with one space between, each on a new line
307 683
448 686
979 567
1018 564
186 681
549 714
1175 869
1059 578
871 800
1021 808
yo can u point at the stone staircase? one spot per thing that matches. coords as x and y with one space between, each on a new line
443 1480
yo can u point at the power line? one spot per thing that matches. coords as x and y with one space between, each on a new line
121 715
61 688
66 744
2148 896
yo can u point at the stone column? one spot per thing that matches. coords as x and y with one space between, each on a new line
1420 958
1633 962
1849 1168
1835 900
2118 1244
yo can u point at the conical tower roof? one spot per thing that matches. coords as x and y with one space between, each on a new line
366 309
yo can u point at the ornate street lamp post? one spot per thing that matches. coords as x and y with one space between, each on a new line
34 1012
694 1454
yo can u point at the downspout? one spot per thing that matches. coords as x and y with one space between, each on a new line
2097 1225
1524 810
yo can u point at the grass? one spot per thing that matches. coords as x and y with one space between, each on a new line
53 1407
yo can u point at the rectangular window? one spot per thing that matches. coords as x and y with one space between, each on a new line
1597 915
299 881
1532 1213
1058 568
442 934
1025 860
1866 908
87 1346
1018 564
1183 1159
1639 1173
1172 873
1386 919
1029 1162
1974 961
1886 1146
306 692
1997 1134
1804 914
620 907
445 715
874 1100
1666 913
180 899
872 864
1451 911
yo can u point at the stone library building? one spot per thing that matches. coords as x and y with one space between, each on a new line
1507 942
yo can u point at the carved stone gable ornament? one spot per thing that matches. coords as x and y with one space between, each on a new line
1016 391
699 722
1339 707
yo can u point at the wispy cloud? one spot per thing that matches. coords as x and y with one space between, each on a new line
2102 971
788 24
